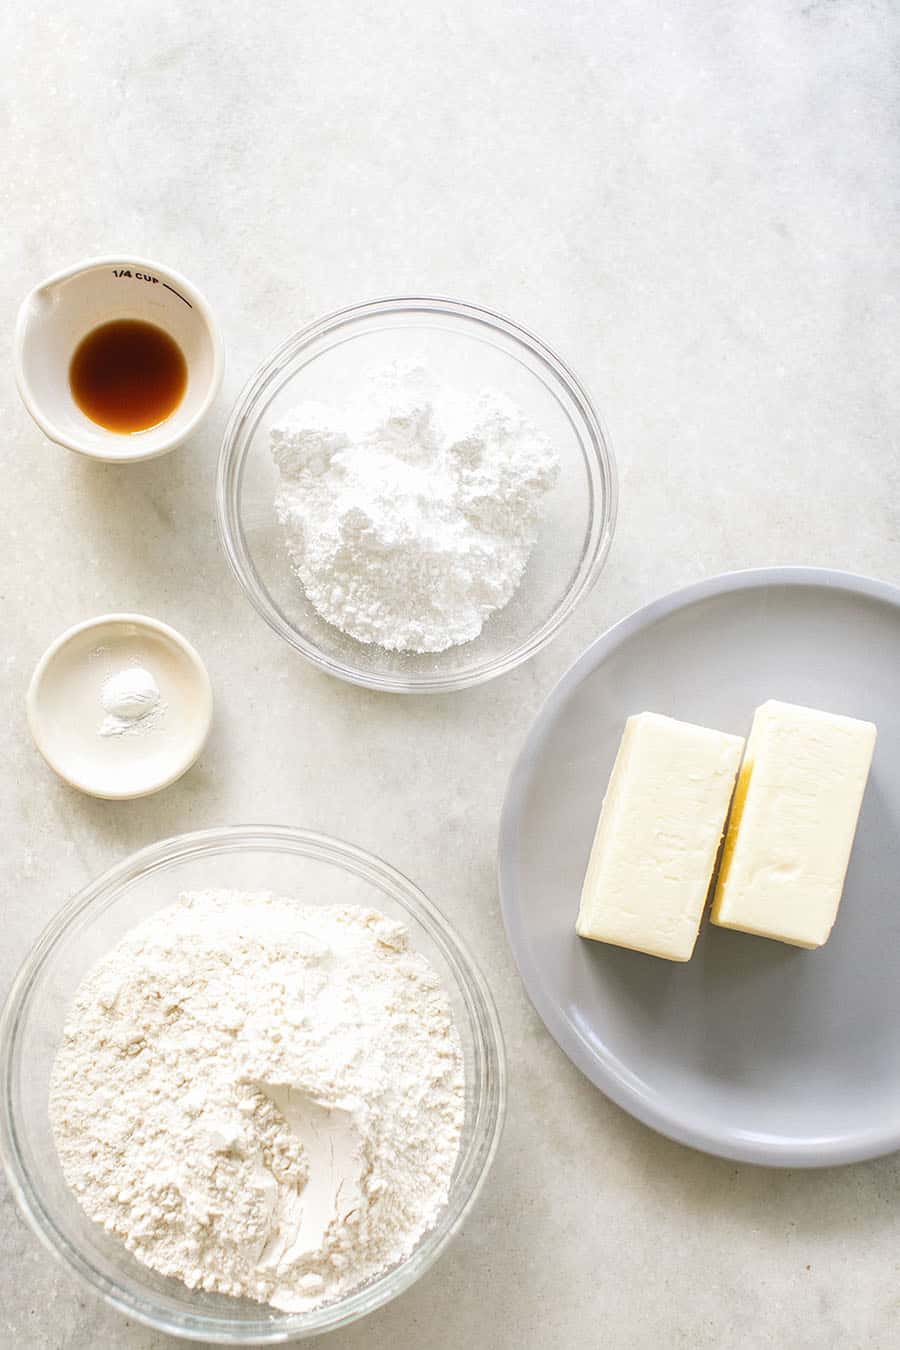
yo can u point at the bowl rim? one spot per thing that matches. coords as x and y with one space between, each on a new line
236 443
490 1081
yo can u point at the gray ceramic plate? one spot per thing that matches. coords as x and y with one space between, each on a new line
753 1050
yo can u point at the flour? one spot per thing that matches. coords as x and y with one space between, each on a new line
261 1098
410 516
130 699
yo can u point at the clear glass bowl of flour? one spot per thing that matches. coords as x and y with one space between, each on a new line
295 863
470 349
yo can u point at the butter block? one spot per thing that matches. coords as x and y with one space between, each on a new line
658 836
792 824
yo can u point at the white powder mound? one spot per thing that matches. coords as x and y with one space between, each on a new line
261 1098
130 699
410 517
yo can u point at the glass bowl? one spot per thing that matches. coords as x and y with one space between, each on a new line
292 863
468 348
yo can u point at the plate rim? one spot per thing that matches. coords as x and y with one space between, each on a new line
603 1073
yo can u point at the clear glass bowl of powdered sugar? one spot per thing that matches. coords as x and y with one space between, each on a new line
415 493
309 869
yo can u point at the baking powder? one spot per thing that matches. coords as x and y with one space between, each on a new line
130 699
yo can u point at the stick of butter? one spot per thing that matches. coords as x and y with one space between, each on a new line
658 836
792 823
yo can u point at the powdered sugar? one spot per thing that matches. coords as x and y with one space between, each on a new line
260 1097
410 516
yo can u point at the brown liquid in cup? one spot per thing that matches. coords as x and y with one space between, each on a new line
128 375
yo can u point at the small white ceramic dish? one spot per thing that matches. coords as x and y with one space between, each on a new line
66 714
752 1050
62 310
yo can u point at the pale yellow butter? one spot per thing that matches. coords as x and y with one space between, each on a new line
658 836
792 823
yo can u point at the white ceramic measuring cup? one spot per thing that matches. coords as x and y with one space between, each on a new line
62 310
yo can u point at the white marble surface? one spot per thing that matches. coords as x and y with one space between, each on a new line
698 205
